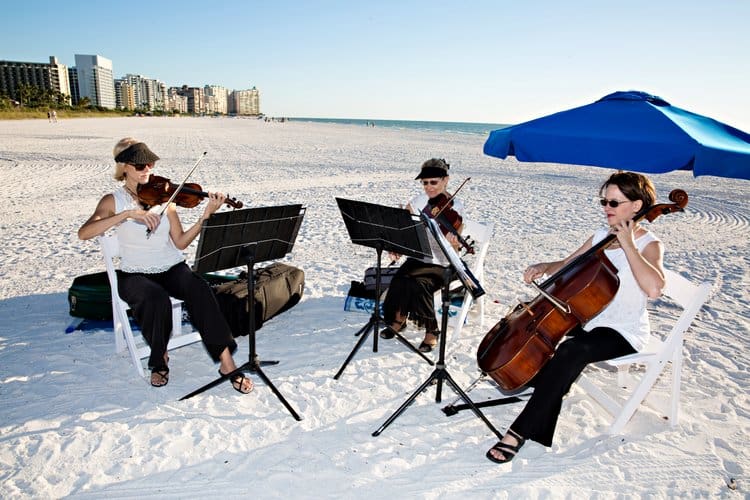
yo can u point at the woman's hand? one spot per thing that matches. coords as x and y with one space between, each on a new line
453 240
150 219
394 256
625 232
535 271
215 200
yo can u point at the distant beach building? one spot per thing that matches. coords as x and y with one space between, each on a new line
196 99
147 94
176 102
52 76
124 95
245 102
96 80
216 99
75 96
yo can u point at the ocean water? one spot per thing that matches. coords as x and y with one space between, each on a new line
455 127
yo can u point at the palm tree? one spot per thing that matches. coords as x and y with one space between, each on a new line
26 94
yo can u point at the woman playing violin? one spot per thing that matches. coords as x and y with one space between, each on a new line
410 294
621 328
153 267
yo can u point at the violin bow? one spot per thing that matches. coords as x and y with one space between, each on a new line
452 196
177 191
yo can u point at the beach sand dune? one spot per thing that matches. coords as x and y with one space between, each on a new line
75 419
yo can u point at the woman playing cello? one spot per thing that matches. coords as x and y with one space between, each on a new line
619 329
153 267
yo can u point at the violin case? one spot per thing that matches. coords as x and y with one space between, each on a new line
278 288
89 297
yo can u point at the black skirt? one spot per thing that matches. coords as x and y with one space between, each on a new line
412 293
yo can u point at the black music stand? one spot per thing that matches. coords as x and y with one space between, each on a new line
441 373
244 237
382 228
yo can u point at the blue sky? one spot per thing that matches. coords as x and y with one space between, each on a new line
497 61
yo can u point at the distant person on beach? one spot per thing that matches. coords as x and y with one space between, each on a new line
54 116
621 328
153 268
411 292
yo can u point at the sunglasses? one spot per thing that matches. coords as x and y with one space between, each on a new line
142 167
612 203
431 182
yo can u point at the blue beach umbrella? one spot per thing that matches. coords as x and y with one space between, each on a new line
628 131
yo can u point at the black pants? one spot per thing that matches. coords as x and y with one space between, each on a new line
411 293
538 419
148 297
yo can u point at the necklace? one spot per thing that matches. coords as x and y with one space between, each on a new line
134 196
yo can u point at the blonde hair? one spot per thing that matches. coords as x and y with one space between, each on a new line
121 146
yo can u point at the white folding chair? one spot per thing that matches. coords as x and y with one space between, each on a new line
124 337
690 297
481 234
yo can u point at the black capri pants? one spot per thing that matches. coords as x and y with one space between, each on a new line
538 419
148 297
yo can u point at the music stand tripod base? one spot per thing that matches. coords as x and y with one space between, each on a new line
372 327
382 228
440 373
230 239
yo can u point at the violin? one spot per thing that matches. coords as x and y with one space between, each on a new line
517 347
160 190
441 209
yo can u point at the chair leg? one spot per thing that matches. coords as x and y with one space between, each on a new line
176 320
675 396
638 395
622 372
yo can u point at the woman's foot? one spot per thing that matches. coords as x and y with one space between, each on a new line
507 448
390 331
160 376
429 343
240 382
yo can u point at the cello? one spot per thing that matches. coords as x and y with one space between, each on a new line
520 344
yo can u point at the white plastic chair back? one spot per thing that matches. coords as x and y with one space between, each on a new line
481 234
690 297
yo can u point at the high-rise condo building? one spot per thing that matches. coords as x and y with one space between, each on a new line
96 80
141 93
216 99
246 102
52 76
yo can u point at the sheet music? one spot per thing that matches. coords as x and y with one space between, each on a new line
463 273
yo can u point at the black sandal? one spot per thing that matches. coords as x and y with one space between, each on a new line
388 332
162 374
507 450
425 347
238 379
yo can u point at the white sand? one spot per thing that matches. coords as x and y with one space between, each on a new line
75 420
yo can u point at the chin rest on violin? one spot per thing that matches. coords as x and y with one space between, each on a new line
441 209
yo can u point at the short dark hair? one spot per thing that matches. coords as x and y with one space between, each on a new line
633 185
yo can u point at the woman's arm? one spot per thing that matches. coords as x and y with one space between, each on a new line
183 238
104 218
539 269
647 266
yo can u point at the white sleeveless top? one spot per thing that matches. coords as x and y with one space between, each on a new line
417 204
139 254
627 312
